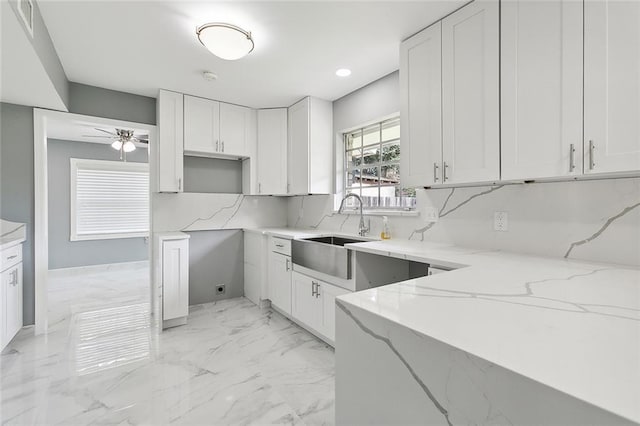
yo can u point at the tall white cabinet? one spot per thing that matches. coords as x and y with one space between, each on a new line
272 151
173 254
541 89
310 147
612 86
421 107
169 152
470 94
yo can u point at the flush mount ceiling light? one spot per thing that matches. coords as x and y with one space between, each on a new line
226 41
343 72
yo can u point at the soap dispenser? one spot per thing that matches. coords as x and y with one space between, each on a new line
385 234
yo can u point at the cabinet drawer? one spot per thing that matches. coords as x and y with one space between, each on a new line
280 245
11 256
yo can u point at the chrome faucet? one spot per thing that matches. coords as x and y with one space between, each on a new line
363 229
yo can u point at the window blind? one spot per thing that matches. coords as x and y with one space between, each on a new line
109 199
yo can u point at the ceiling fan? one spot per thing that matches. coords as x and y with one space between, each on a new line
124 140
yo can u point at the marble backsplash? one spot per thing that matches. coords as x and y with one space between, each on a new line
202 211
597 220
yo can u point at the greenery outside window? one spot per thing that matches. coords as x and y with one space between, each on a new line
372 167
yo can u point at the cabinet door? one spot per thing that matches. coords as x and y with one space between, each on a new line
234 126
328 294
306 307
12 283
170 141
272 151
470 131
298 176
175 279
541 89
201 125
421 108
612 86
280 281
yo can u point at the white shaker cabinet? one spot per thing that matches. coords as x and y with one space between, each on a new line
170 141
255 267
174 258
310 147
272 151
313 304
10 293
611 86
541 89
470 94
421 108
280 267
216 129
201 125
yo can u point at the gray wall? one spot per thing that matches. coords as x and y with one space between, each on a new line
212 175
64 253
99 102
215 257
371 102
16 186
16 152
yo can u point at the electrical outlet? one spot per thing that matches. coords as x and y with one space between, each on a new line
431 214
501 221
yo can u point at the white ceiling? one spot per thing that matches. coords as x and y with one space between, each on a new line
139 47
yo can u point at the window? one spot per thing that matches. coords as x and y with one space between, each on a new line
109 199
372 165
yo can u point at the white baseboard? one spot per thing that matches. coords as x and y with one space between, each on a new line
92 269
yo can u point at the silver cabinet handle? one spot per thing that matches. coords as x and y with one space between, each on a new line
179 184
217 146
280 245
12 257
287 265
572 164
14 277
445 166
222 146
314 290
317 290
259 187
435 172
592 147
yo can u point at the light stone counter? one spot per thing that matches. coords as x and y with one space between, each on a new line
11 233
503 339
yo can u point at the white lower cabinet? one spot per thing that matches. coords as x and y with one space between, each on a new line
11 295
280 281
174 255
313 303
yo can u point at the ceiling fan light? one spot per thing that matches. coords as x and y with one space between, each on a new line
226 41
117 145
128 146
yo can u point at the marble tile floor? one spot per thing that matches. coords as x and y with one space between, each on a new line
233 363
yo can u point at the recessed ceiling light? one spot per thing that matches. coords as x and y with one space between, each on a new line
226 41
343 72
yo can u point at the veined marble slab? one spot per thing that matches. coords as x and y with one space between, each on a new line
572 327
11 233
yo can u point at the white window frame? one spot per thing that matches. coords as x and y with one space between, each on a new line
341 169
103 165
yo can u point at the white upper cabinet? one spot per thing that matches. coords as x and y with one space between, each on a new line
421 108
470 94
215 128
170 141
235 129
541 89
612 86
201 125
310 147
272 151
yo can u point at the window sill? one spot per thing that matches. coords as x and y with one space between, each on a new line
381 212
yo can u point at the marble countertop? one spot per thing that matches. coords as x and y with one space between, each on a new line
292 233
571 325
11 233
